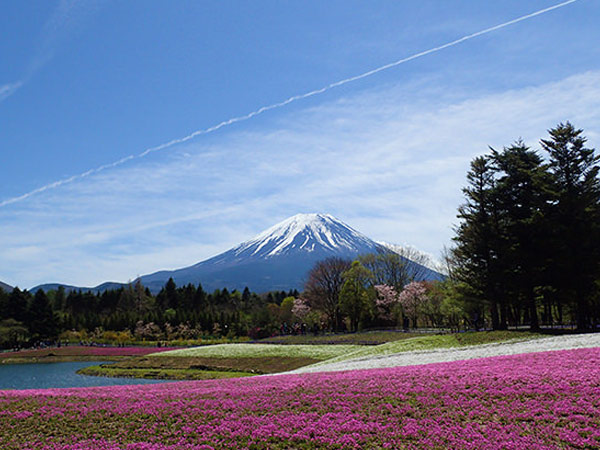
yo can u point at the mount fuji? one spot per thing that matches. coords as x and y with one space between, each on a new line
279 258
6 287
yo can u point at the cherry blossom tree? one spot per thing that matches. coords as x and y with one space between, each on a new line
387 299
300 308
412 299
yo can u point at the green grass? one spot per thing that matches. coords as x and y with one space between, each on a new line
435 342
160 374
258 365
231 360
360 338
320 352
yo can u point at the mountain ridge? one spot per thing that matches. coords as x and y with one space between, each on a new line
278 258
105 286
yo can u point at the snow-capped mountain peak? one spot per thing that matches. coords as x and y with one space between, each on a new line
279 258
305 233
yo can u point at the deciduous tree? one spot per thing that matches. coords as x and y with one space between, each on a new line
323 287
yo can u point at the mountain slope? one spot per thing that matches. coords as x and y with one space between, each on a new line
409 252
277 259
109 285
5 287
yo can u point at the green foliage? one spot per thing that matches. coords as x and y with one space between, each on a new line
575 215
42 320
13 334
528 244
105 370
132 313
357 294
285 310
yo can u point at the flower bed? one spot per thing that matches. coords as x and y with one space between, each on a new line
531 401
264 350
82 350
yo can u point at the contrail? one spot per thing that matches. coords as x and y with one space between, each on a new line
281 104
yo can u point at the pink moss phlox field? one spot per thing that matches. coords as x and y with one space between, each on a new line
533 401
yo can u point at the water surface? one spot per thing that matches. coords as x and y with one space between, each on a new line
57 375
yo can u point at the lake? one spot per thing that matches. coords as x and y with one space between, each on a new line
57 375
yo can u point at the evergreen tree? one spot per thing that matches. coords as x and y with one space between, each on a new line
478 248
59 299
167 297
522 196
576 218
199 300
16 307
42 321
3 304
246 295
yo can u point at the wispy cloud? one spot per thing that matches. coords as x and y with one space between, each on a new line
390 162
63 22
63 14
6 90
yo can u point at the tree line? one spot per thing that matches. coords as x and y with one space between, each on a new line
526 252
339 295
527 248
133 313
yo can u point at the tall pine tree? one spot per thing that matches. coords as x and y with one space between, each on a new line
576 218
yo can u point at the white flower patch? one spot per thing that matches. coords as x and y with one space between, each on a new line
413 358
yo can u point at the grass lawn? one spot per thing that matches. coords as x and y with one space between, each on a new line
109 370
264 358
438 341
232 359
254 365
319 352
75 353
361 338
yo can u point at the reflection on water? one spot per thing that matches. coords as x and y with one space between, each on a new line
57 375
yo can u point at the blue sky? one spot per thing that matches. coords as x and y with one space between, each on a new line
86 84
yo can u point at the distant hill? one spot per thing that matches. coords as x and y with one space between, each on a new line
6 287
279 258
100 288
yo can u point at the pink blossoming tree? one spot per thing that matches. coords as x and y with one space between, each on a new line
413 298
386 301
300 309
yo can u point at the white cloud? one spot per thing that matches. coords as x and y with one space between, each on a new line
8 89
69 8
390 162
65 19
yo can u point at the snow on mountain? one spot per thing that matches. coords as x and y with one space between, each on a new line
276 259
305 232
414 254
279 258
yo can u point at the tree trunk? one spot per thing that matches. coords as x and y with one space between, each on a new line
535 325
503 317
582 313
494 314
